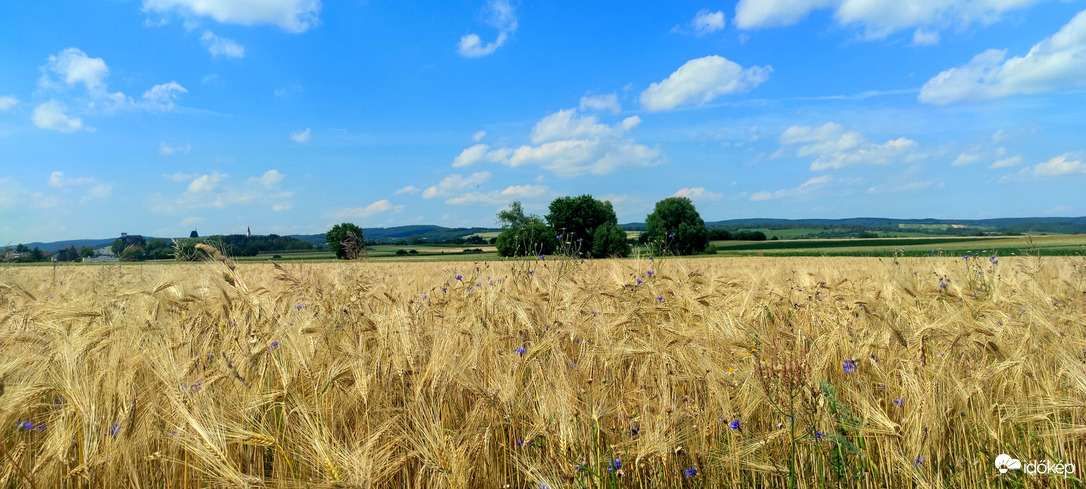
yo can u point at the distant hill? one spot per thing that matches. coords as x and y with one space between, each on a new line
1006 225
808 227
425 233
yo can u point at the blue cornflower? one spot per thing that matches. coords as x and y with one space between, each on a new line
933 252
520 443
849 366
543 257
274 345
899 401
660 299
672 235
299 307
691 472
425 297
458 276
819 435
26 425
919 461
639 281
650 258
734 425
649 273
114 430
559 236
614 465
965 257
521 350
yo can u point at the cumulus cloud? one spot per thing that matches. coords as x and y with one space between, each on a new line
601 103
166 149
95 190
290 15
809 189
300 137
1064 165
833 147
455 183
478 136
879 18
699 81
925 37
73 67
1056 63
221 46
7 102
501 16
51 115
697 193
364 212
410 189
569 144
509 194
1007 162
215 190
163 96
706 22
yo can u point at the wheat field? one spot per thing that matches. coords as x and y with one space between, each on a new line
709 372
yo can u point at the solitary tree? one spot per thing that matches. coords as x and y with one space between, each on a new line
577 218
345 240
676 227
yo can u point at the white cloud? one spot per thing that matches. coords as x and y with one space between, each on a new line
706 22
410 189
7 102
509 194
1007 162
481 153
808 189
902 187
701 80
471 46
697 193
478 136
100 191
569 145
1058 62
879 18
833 147
1060 166
163 96
214 190
50 115
288 90
300 137
925 37
57 179
455 183
221 46
291 15
74 66
965 159
367 211
501 16
166 149
601 103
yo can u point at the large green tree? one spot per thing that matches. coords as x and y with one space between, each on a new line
610 240
523 235
676 227
345 240
576 220
531 238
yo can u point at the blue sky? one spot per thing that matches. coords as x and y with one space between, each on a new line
287 116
